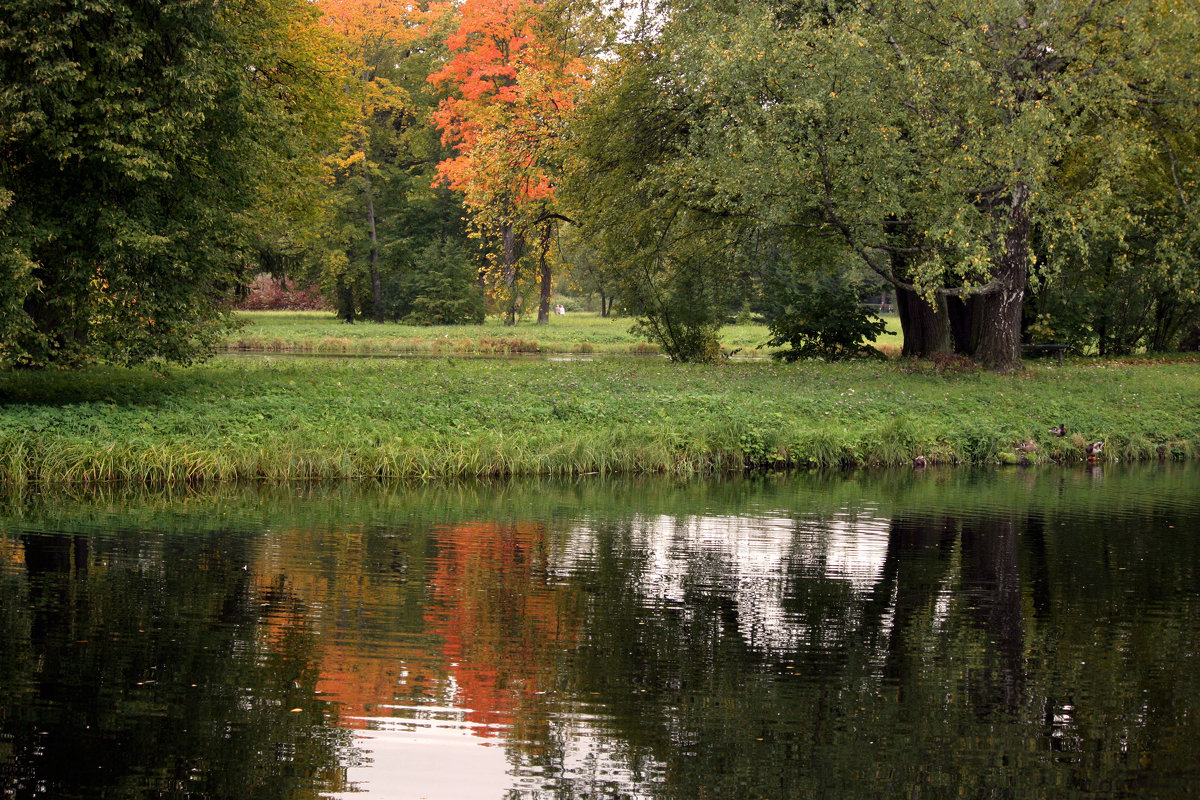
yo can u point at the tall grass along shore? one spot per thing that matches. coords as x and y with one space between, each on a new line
280 418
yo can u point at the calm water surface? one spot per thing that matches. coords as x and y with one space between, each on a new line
1021 633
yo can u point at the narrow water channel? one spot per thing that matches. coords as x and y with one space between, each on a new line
1000 634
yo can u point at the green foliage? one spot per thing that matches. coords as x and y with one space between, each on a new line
929 139
440 289
679 305
820 318
676 259
134 142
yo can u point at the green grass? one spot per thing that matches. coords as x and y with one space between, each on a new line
280 418
576 332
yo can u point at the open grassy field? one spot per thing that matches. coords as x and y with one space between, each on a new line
283 418
576 332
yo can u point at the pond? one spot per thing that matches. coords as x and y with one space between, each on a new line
916 634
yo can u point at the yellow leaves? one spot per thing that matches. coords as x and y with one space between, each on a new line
350 160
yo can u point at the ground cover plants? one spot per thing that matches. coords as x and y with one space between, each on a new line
285 418
576 332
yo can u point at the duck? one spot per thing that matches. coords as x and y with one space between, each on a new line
1059 430
1093 449
919 462
1026 447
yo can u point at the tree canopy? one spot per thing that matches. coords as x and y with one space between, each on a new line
957 149
1009 170
139 144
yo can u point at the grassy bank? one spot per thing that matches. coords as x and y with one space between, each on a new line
281 419
576 332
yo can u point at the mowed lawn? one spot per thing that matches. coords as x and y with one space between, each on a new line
574 332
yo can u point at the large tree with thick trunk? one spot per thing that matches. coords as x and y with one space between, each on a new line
934 138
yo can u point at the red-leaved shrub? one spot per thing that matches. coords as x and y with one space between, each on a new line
266 293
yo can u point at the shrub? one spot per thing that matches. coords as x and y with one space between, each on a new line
821 318
268 293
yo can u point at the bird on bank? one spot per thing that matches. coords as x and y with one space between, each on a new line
1093 449
919 462
1059 430
1026 446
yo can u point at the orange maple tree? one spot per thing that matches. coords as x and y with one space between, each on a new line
512 82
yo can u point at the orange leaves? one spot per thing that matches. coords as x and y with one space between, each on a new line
512 84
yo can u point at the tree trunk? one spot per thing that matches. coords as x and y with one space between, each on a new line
999 345
345 301
544 305
510 252
376 283
964 324
603 308
925 327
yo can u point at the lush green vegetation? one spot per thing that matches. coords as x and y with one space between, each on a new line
576 332
293 418
1005 174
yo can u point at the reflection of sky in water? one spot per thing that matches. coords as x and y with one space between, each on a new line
435 753
752 559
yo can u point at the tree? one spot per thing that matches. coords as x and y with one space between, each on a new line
399 241
934 139
137 142
679 260
514 77
940 143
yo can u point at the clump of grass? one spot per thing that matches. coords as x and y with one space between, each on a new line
333 344
645 349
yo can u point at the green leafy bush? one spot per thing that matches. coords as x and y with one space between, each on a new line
820 318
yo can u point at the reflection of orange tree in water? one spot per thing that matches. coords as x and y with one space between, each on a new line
487 623
356 597
506 625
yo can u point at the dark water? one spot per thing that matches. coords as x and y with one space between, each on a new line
1011 634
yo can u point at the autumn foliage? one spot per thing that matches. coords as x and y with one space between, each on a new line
511 86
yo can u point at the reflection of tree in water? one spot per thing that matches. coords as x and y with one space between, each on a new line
506 627
151 668
958 672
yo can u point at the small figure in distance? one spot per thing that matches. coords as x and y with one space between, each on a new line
919 462
1093 450
1059 430
1027 447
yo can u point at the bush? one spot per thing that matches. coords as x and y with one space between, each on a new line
820 318
268 293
